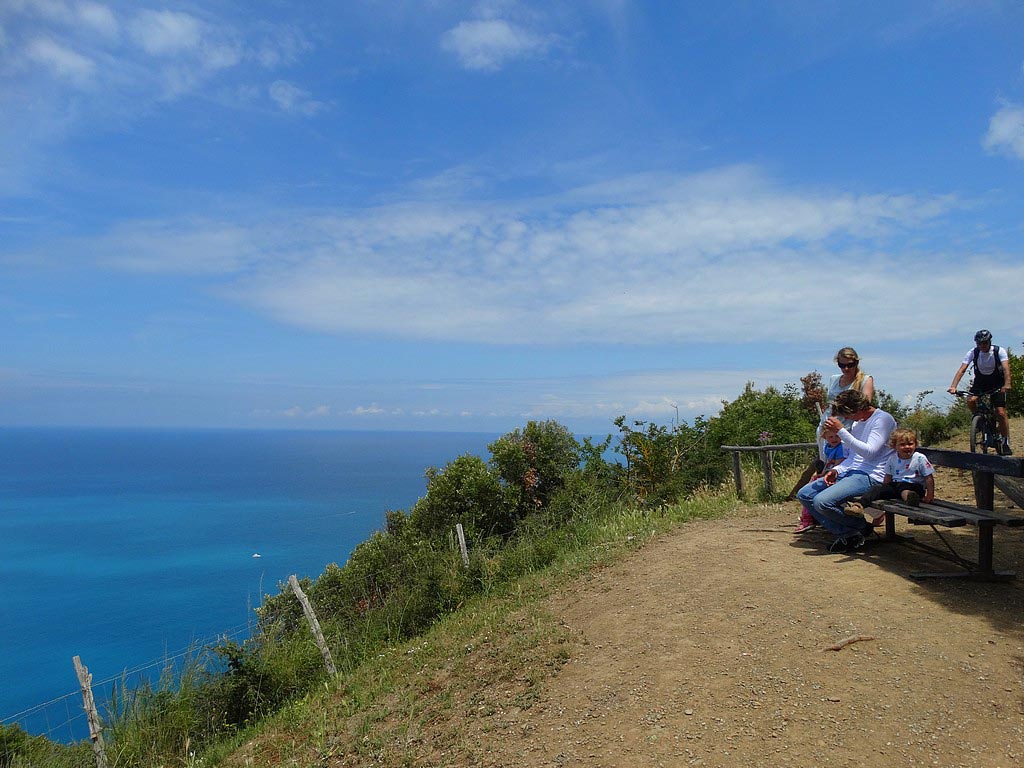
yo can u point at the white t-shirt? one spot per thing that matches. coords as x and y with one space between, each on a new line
986 360
912 470
835 386
867 445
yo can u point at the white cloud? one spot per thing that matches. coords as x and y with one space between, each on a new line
1006 131
723 254
293 99
489 44
298 412
374 410
282 46
61 60
99 18
199 247
161 33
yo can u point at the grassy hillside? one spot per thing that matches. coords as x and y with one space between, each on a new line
406 706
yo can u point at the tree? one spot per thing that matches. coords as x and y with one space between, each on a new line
535 462
756 417
466 491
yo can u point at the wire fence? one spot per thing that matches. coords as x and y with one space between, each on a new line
65 721
62 719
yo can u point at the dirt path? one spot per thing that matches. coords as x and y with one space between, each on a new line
708 647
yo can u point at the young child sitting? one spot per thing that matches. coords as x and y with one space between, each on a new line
834 453
909 477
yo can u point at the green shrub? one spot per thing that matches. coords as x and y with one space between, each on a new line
1015 397
19 749
931 423
534 462
664 463
466 491
770 416
891 405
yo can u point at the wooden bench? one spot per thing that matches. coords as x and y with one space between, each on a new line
948 514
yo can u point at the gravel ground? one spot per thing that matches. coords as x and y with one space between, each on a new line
713 646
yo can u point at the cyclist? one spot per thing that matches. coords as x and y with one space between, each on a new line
991 372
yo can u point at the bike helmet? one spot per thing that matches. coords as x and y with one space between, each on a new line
982 336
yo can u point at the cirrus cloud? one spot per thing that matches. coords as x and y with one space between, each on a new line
658 259
488 44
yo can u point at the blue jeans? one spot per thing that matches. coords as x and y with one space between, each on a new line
826 502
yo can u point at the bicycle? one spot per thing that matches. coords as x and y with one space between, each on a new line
984 431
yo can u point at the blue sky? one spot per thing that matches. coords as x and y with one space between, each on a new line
464 215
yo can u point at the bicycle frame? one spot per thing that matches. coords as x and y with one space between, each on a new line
984 431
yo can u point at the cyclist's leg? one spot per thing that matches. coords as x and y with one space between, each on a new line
999 409
1002 423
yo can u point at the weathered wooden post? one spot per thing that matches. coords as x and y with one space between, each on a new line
314 625
462 544
769 472
737 473
89 703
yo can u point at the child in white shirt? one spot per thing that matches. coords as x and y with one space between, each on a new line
909 476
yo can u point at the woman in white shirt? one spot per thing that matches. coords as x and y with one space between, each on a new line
868 450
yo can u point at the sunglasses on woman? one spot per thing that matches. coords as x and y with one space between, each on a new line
844 366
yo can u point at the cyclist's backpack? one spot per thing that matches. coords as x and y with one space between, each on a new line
998 371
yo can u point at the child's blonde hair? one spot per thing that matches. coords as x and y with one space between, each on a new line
900 435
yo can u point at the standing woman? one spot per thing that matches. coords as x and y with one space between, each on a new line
849 377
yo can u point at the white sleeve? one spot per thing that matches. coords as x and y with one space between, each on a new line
924 466
877 439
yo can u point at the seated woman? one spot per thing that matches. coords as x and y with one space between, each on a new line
868 450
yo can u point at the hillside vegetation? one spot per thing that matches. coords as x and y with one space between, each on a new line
417 635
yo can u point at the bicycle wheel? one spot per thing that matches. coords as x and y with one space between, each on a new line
978 442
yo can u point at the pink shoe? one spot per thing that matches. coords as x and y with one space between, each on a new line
807 522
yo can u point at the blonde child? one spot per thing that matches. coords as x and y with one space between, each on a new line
909 476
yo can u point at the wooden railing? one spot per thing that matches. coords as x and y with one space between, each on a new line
766 452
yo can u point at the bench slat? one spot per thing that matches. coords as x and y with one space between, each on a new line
926 513
983 514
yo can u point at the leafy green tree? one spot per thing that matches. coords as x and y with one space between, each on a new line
771 416
535 462
466 491
663 463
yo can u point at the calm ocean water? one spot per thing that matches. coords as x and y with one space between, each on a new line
125 546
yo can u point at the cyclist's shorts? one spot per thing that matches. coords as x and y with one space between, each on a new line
983 383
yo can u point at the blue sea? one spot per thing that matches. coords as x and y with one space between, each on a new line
125 547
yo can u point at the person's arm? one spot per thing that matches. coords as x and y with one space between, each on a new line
956 378
877 439
867 388
1006 375
929 489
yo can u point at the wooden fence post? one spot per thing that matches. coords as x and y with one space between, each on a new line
95 727
737 473
767 454
314 625
462 544
769 473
